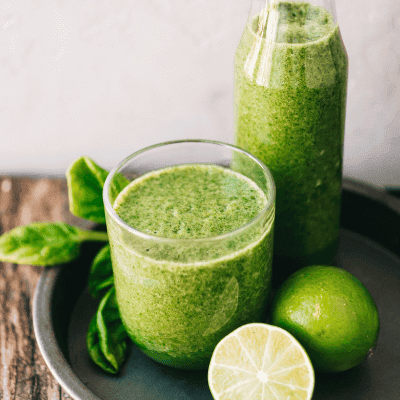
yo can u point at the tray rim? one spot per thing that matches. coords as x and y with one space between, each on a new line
41 310
47 342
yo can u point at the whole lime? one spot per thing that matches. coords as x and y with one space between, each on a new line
331 313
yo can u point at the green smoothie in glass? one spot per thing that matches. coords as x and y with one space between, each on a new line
290 100
191 246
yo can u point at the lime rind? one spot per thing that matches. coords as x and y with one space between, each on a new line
331 313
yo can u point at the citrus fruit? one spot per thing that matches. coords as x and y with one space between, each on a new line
331 313
260 362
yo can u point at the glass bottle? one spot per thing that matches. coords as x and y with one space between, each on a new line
291 71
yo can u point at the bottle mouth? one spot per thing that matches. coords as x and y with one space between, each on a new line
195 142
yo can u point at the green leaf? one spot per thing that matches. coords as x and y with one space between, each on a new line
101 274
85 183
85 189
45 243
106 339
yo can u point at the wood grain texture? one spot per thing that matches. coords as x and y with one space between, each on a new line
23 372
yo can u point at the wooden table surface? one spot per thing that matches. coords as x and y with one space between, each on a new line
23 372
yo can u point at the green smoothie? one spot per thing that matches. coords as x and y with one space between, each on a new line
200 265
290 101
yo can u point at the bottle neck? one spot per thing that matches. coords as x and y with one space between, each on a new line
297 6
292 22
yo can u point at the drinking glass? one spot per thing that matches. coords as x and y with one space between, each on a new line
179 297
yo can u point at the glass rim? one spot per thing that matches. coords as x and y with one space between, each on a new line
109 208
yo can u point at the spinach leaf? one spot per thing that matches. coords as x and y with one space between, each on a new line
101 274
85 189
45 243
106 339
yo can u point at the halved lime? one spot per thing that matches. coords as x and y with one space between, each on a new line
260 362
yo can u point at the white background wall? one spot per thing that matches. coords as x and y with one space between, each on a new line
105 78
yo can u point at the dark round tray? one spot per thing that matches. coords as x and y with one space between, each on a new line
369 249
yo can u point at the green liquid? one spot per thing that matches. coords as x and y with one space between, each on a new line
178 299
190 201
290 101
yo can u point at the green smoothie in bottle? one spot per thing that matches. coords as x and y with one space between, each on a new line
290 101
